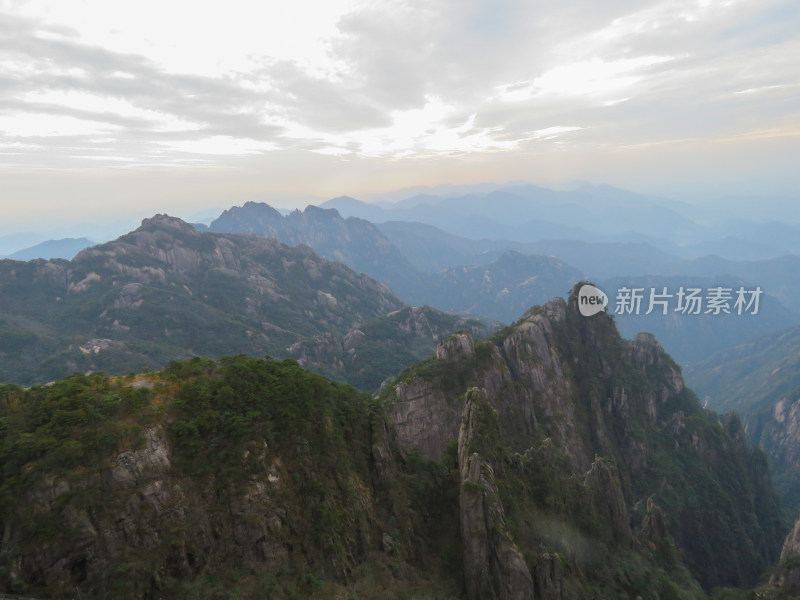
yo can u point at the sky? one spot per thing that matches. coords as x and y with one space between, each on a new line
111 109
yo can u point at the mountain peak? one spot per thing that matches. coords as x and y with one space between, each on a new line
253 217
319 211
164 221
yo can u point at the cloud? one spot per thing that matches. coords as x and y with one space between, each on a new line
55 82
397 79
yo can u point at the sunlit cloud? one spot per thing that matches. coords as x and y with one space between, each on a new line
589 78
91 82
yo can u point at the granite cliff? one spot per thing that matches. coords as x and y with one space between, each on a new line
553 460
616 414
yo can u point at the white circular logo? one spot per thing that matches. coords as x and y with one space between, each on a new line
591 300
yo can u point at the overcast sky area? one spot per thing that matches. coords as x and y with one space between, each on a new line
111 108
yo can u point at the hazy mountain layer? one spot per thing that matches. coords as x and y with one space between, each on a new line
603 259
502 289
687 338
355 242
595 213
694 337
65 248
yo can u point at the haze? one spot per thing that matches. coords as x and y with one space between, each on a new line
112 109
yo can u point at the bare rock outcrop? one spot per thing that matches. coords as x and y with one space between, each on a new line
787 576
605 490
493 565
457 347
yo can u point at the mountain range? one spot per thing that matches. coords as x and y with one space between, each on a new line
167 291
554 460
355 242
592 213
533 452
497 279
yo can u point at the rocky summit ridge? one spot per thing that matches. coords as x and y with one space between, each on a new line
166 291
552 460
568 391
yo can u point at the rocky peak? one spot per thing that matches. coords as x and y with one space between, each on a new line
559 376
645 349
787 576
646 354
555 310
458 346
608 501
330 214
166 222
253 217
493 565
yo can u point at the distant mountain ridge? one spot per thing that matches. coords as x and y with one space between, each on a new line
499 290
590 213
503 288
498 279
65 248
379 348
602 259
167 291
356 242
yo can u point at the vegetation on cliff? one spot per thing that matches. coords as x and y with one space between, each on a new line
575 462
167 291
562 382
379 348
228 478
761 381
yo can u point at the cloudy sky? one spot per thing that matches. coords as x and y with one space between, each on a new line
173 106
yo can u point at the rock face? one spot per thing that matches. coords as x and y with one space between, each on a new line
787 576
616 415
459 346
426 415
165 516
605 490
493 565
571 464
247 472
